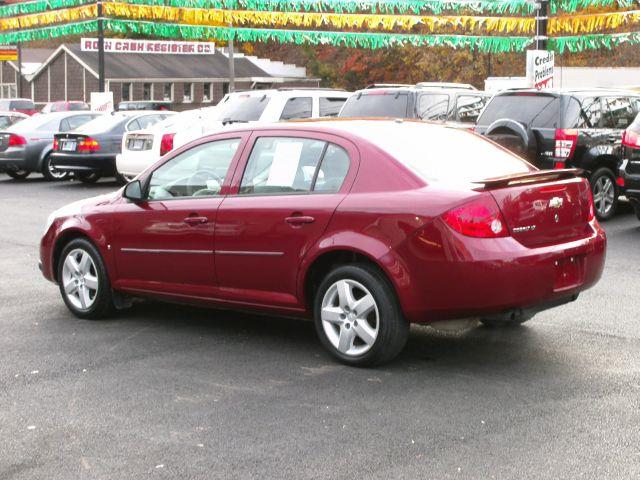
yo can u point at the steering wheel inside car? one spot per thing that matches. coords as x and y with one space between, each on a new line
200 183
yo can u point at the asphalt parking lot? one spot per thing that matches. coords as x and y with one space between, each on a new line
165 391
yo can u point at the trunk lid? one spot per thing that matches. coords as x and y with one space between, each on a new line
544 208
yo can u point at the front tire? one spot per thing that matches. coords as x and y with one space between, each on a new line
83 280
358 317
50 172
605 193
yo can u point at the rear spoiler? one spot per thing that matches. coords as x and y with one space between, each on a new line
529 177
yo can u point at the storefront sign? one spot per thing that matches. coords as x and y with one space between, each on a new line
8 53
102 101
540 64
119 45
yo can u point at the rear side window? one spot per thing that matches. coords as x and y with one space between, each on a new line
591 115
332 171
386 104
330 107
282 165
433 107
524 108
297 108
618 112
468 107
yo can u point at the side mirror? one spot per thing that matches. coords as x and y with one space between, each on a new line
133 191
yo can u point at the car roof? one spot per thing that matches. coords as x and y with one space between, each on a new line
429 90
580 92
290 92
366 128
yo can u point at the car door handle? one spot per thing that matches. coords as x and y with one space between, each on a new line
299 220
196 220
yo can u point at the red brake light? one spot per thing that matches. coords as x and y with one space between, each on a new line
620 181
592 213
16 140
631 139
566 140
88 144
166 144
480 218
56 144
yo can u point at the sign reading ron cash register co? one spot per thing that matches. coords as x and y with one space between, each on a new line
540 66
119 45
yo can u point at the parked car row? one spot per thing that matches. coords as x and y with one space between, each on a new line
552 129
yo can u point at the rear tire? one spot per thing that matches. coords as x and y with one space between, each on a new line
121 179
83 281
88 177
605 193
51 173
495 323
18 174
358 317
636 210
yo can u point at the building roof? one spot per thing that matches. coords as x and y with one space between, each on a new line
166 67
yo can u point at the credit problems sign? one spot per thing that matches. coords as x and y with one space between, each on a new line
540 69
8 53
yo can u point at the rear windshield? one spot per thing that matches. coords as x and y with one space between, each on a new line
22 105
536 110
243 108
387 104
451 156
103 123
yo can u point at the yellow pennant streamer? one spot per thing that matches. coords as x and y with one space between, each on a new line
47 18
201 16
577 24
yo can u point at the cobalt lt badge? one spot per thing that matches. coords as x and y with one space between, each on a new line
556 202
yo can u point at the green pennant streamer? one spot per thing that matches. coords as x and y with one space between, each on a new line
300 37
579 43
32 34
25 8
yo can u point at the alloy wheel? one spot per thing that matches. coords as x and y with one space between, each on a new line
54 173
80 279
604 195
350 317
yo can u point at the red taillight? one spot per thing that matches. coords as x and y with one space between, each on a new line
566 140
56 144
166 144
480 218
631 139
88 144
620 181
592 213
16 140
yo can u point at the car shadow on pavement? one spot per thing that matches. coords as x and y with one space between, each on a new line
488 349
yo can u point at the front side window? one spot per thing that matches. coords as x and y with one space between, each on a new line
126 91
187 95
433 107
330 107
468 107
198 172
147 91
297 108
282 165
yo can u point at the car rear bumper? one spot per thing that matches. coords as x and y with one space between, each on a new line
13 160
104 164
631 182
493 277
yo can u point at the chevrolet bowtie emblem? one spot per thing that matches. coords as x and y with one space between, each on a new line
556 202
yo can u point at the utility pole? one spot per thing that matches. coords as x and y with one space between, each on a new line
19 82
232 66
542 17
100 49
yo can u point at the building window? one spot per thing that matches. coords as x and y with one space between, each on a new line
207 92
187 95
147 91
167 92
127 88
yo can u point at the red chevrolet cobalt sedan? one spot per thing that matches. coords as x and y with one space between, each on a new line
364 225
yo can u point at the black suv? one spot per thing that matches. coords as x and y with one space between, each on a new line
566 128
630 168
427 102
